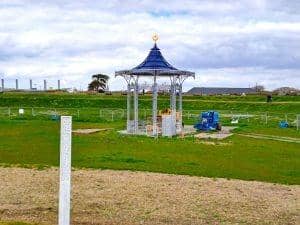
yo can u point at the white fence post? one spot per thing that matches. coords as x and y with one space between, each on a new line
65 170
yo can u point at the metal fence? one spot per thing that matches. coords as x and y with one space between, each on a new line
106 114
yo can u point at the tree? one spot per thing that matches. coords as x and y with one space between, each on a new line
259 88
286 91
99 83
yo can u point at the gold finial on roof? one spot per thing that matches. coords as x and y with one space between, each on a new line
155 38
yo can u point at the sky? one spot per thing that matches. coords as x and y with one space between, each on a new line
226 43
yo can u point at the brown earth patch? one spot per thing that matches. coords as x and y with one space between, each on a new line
123 197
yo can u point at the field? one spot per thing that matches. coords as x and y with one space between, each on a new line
270 155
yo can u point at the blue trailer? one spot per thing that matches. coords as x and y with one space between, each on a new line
208 121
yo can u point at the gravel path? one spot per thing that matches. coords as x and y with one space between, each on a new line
271 137
123 197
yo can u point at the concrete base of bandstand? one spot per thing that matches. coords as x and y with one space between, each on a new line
187 130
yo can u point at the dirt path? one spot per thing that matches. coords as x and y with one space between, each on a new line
122 197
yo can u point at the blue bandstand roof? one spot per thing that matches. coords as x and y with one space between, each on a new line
155 61
154 65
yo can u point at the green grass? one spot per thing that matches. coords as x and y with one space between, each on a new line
15 223
251 103
36 144
32 140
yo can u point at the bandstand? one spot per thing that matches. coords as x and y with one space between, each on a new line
155 66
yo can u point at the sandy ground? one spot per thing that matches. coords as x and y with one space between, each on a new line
90 130
123 197
222 134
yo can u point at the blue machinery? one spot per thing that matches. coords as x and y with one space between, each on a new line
208 121
283 124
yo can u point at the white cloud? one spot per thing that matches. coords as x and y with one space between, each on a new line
74 39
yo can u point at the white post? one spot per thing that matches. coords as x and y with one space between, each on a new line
65 170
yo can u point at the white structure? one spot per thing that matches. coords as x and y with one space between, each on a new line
154 66
65 170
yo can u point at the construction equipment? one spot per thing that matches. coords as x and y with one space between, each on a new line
283 124
208 121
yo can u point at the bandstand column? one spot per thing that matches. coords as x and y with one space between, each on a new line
136 106
180 106
128 107
173 102
154 107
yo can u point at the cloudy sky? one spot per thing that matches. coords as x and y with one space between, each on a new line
227 43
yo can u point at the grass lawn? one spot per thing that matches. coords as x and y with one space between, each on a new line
250 103
36 143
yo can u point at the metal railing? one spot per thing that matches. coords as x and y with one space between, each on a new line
118 114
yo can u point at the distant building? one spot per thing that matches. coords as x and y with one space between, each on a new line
220 91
